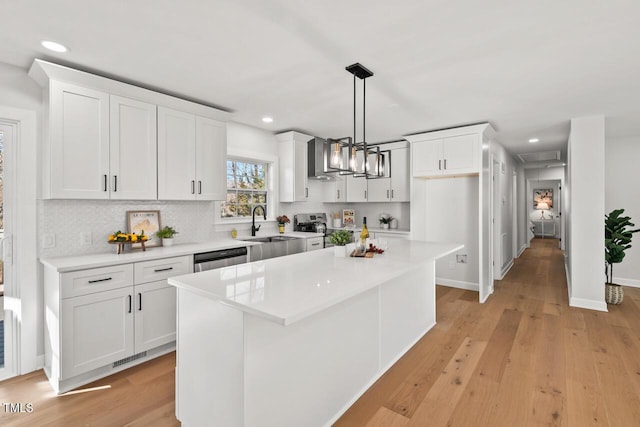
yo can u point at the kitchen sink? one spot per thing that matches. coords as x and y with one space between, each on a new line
269 239
274 246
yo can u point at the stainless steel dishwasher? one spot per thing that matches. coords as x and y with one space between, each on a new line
216 259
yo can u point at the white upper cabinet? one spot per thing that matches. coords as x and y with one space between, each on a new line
357 186
211 159
191 156
400 188
76 158
132 149
395 186
335 191
379 189
176 155
105 139
292 155
450 155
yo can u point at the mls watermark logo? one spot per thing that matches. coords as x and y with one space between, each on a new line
16 408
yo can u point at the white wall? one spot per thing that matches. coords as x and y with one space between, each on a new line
586 239
622 192
451 213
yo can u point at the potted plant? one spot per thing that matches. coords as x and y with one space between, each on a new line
385 220
282 220
166 233
617 239
340 239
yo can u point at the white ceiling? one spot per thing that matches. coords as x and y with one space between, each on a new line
526 67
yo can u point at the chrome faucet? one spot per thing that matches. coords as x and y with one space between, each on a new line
253 219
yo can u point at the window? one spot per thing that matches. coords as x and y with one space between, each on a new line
246 188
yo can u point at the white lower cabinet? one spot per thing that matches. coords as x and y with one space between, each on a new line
315 243
155 315
101 320
97 330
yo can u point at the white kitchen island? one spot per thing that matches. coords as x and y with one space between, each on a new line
294 341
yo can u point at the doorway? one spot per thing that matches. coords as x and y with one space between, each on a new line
7 142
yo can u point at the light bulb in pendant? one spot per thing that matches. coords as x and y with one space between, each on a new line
335 156
352 163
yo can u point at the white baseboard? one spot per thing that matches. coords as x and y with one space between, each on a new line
458 284
522 249
40 361
634 283
588 304
505 270
566 272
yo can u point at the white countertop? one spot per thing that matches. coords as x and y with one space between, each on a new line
288 289
81 262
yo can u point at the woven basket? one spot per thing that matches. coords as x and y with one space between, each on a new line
613 293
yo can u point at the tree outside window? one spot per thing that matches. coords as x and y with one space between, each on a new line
246 188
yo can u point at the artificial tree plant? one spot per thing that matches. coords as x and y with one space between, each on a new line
617 239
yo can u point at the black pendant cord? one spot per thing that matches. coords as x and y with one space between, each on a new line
365 164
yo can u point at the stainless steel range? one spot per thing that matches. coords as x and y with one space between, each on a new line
311 223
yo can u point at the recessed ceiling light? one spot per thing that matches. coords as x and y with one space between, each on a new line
267 119
532 140
56 47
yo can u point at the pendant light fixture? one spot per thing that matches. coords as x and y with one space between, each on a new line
346 155
365 161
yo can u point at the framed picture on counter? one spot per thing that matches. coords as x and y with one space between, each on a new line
348 217
149 221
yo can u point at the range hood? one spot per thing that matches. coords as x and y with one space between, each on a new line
317 160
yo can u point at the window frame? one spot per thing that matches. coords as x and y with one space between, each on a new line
271 185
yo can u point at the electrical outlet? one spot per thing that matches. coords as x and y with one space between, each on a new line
85 239
461 259
48 241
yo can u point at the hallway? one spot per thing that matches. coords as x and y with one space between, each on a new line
523 358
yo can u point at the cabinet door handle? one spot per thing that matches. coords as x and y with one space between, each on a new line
439 165
315 244
163 269
139 301
392 194
387 194
338 197
106 182
100 280
365 194
193 187
115 183
445 164
129 296
306 192
199 187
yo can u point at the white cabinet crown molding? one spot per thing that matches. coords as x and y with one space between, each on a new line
483 128
43 71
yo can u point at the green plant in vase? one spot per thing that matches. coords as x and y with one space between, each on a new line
166 233
617 239
385 220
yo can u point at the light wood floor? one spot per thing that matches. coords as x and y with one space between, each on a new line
523 358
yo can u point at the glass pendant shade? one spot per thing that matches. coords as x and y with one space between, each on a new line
336 155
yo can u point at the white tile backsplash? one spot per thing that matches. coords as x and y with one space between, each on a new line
67 220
